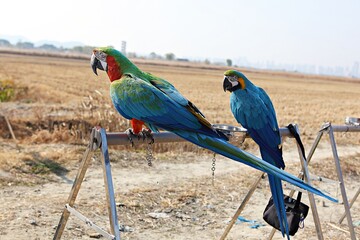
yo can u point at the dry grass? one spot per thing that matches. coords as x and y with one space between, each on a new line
66 89
59 100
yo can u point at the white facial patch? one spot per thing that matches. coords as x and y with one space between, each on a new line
103 64
101 56
233 80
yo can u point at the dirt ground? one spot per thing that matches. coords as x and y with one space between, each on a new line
173 199
176 198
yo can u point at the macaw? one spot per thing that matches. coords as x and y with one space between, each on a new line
154 101
253 109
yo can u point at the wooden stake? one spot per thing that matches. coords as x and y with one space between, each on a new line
10 128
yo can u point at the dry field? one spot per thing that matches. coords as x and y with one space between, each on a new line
58 100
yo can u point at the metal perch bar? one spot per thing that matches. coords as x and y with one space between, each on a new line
122 138
345 128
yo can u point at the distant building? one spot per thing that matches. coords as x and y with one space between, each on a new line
123 47
355 70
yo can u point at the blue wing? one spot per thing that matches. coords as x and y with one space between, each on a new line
255 112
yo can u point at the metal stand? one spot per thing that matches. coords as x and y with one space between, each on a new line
351 203
100 139
97 140
304 164
330 129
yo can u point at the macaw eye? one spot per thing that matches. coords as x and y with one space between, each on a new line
232 78
101 56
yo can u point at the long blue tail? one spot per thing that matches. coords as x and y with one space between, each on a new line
277 190
226 149
278 199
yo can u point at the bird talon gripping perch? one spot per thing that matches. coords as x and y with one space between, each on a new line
146 133
129 132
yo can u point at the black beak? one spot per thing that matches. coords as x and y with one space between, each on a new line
95 63
227 86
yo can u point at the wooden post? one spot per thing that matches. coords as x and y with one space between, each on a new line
9 127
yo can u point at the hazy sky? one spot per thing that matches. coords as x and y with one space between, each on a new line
321 32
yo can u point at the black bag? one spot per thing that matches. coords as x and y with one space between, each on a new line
296 211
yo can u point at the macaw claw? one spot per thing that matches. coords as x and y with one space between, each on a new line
129 132
146 134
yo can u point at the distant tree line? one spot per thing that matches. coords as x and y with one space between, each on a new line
46 47
88 50
78 49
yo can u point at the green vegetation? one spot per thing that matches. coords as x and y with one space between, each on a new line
229 62
170 56
6 90
44 167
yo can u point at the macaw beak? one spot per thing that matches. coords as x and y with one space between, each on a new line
227 86
96 63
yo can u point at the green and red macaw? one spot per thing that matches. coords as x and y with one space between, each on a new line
141 96
253 109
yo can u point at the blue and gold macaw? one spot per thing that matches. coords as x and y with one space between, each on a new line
144 98
253 109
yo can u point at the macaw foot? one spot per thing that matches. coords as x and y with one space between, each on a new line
129 132
146 134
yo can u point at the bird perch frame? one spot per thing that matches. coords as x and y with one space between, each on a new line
307 178
100 139
330 129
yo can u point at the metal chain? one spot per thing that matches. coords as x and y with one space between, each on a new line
149 155
213 168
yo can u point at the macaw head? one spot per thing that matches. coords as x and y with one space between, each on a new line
110 60
234 80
